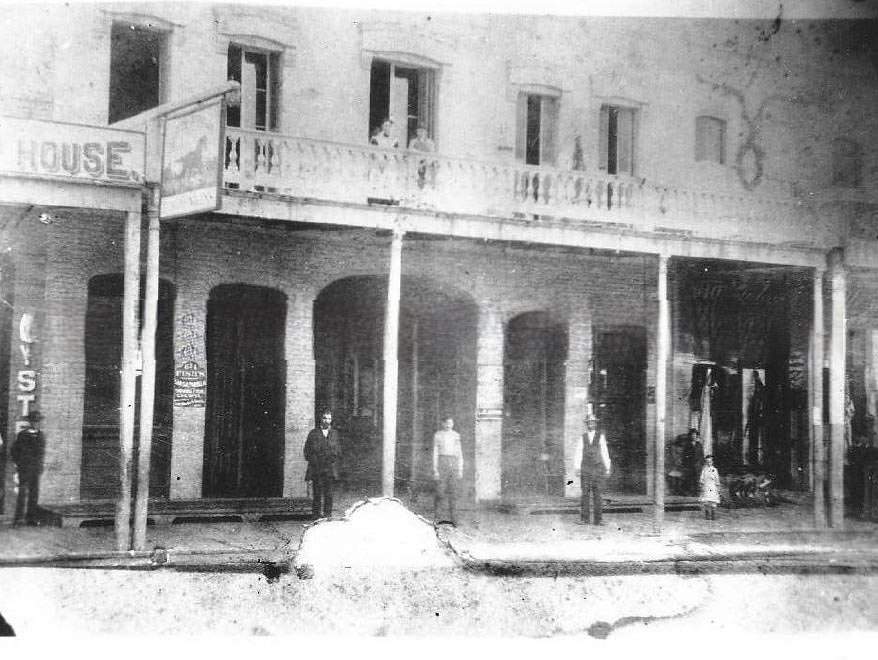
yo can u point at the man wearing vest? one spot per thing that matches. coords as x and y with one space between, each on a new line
593 470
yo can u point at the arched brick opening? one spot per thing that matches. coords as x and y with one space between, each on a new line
437 374
534 358
99 473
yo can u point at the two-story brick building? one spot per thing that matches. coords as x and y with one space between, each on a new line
614 213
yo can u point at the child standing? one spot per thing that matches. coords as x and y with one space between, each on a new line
709 482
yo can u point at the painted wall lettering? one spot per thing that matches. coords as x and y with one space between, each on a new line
93 153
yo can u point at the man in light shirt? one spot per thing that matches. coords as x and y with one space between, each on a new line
447 466
594 468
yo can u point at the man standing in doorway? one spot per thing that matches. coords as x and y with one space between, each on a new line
447 466
593 470
322 451
27 454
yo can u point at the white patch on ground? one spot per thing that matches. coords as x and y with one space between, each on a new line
375 533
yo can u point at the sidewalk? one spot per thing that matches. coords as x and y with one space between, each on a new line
492 541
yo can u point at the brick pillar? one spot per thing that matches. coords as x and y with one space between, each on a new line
26 369
579 353
63 391
299 349
190 392
489 404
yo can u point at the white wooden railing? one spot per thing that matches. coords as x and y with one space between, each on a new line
306 168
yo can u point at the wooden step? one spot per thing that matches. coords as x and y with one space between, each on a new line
166 512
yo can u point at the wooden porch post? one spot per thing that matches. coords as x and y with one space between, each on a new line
818 455
837 369
128 386
391 364
416 421
147 380
661 404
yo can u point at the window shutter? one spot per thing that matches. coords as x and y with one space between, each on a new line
274 91
603 138
427 101
700 138
521 126
626 141
548 130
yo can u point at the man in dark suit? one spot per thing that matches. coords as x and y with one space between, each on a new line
322 451
27 453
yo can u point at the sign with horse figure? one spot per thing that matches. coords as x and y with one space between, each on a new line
192 161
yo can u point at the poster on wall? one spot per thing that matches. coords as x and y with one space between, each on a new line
192 161
190 385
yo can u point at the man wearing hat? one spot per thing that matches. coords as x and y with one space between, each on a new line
27 454
593 470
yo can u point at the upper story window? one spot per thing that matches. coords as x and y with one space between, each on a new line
847 163
710 139
258 72
404 94
138 60
617 132
536 130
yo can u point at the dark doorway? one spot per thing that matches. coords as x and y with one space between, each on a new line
533 403
246 378
99 475
618 387
136 61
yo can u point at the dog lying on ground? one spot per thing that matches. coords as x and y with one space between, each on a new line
751 489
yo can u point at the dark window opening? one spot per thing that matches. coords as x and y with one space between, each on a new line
535 132
136 61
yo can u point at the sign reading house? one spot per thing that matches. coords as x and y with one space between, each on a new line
192 160
31 147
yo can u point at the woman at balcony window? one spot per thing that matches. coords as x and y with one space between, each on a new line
385 137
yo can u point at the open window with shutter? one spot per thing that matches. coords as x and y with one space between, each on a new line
616 140
536 128
406 95
258 72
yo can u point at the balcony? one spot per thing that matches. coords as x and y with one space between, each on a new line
303 168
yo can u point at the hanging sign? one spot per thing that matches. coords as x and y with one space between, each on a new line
75 152
192 158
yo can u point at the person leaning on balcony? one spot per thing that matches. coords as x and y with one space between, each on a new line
447 466
593 470
385 137
422 143
322 451
27 454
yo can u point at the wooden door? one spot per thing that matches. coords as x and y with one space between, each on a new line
619 390
246 375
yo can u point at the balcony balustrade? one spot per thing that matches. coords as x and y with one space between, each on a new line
348 173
